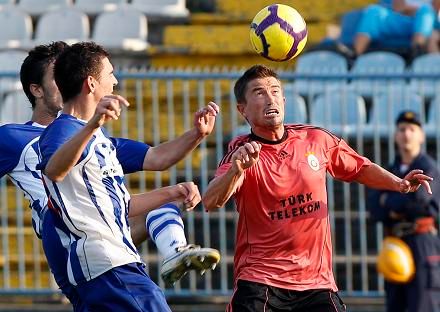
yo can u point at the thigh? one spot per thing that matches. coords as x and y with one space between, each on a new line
325 301
124 288
249 297
54 233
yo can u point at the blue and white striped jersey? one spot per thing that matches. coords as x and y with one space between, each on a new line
92 199
18 159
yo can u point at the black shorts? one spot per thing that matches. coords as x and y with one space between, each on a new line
256 297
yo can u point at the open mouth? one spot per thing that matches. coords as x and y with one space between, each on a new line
271 112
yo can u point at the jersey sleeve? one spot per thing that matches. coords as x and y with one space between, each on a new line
131 154
55 135
9 156
344 163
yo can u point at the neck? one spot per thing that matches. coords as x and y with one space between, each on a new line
80 108
409 156
43 117
273 134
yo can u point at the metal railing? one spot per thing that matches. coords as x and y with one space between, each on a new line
162 107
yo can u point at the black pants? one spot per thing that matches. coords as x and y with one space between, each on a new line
256 297
422 294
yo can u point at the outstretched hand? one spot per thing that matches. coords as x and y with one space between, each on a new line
413 180
204 118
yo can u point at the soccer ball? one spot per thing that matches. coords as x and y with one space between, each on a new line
278 32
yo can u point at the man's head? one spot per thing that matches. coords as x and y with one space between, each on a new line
84 65
36 75
409 133
260 97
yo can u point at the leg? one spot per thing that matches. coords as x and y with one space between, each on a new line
124 288
166 229
53 236
249 297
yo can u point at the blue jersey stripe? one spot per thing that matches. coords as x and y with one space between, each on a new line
113 194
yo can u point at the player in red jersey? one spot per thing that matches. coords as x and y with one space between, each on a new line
277 176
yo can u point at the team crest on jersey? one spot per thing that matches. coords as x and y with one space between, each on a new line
313 161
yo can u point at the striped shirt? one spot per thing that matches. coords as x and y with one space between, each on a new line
92 199
18 159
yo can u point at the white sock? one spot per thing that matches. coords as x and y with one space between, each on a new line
166 229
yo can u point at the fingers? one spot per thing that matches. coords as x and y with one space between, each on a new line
247 154
427 187
414 179
110 106
190 194
210 109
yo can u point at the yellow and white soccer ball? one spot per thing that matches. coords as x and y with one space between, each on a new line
278 32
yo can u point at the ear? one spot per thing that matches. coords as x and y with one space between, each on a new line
240 108
36 90
91 84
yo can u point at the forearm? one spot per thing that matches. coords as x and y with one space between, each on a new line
221 189
141 204
167 154
377 177
65 158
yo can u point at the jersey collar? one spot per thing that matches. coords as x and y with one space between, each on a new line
255 137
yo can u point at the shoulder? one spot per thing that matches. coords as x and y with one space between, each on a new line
16 136
64 125
238 141
313 133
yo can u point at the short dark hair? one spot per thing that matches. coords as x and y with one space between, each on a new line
75 64
255 72
36 63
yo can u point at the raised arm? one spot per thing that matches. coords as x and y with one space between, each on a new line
65 158
377 177
169 153
221 188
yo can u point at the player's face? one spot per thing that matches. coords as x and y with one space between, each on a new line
264 107
51 95
107 80
409 137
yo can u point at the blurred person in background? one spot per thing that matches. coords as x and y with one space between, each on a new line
413 218
277 176
412 19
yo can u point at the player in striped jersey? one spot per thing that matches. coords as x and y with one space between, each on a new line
83 173
19 160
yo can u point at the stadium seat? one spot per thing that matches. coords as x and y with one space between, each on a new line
377 63
340 112
426 64
18 32
161 8
10 62
66 24
316 63
387 106
122 30
295 111
38 7
96 7
15 108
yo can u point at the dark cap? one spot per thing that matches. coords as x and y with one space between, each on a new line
409 117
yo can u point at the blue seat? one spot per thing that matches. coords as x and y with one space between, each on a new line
343 113
387 106
377 63
316 63
426 64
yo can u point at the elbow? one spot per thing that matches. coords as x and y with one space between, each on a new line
53 176
211 204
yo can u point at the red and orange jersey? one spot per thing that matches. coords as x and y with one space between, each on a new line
283 236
